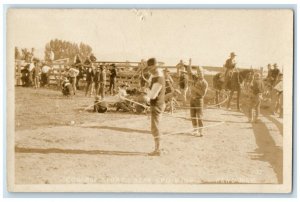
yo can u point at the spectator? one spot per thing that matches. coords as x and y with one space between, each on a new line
112 79
100 81
89 81
78 65
36 74
275 74
72 74
278 96
45 75
25 76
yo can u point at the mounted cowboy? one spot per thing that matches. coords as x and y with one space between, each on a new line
229 65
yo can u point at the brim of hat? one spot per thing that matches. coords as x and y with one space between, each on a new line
149 67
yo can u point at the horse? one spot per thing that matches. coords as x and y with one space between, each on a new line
234 84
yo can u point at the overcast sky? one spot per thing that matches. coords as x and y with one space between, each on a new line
258 37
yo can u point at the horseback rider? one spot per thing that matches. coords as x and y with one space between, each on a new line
229 65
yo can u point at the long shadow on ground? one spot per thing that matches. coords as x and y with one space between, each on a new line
120 129
273 120
77 151
266 149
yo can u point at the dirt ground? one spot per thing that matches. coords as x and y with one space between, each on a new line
58 142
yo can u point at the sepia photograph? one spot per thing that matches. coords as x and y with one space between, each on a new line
149 100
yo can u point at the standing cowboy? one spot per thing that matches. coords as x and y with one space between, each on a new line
229 67
89 77
112 79
257 89
36 74
78 65
96 79
102 81
275 74
156 97
45 74
198 90
278 87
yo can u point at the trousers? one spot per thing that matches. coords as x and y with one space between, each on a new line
156 113
196 112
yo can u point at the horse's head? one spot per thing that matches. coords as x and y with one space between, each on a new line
245 74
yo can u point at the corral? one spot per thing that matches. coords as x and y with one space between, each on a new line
58 142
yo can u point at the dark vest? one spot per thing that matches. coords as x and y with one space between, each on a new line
160 99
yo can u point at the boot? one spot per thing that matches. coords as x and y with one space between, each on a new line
156 152
200 132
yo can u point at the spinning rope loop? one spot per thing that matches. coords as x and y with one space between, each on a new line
170 115
183 131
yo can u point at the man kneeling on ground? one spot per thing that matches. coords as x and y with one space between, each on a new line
66 87
100 105
122 103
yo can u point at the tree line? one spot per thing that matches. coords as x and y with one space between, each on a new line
60 49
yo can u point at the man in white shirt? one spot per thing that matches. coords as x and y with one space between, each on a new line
156 97
72 74
45 74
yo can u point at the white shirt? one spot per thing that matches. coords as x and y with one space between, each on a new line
31 66
122 93
45 69
73 72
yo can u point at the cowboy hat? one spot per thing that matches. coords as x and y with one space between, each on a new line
151 63
232 54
